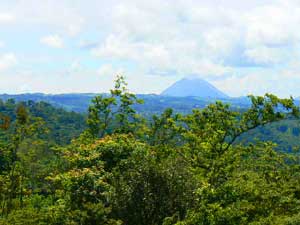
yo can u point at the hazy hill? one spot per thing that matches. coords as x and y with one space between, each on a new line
152 103
285 133
63 125
194 87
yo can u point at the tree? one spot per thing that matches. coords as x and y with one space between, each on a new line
81 187
113 113
13 178
217 162
197 168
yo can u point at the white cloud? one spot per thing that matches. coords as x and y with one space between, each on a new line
105 70
62 16
282 82
214 39
75 28
207 69
114 48
272 25
180 37
246 84
75 66
2 44
108 71
7 61
54 41
6 17
25 88
265 55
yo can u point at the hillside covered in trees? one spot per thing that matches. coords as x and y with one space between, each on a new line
122 167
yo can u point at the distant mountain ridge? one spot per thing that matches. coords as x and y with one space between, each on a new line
153 103
183 96
195 87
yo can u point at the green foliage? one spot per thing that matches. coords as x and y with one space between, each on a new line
114 113
204 167
166 129
62 126
150 187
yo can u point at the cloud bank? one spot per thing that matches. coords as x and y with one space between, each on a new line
242 48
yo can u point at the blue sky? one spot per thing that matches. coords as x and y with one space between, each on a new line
62 46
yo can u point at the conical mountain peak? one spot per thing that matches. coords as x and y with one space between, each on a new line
193 86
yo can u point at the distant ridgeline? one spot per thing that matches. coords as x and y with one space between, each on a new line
285 133
152 103
115 165
62 125
183 96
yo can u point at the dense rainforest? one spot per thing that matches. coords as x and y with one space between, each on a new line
116 166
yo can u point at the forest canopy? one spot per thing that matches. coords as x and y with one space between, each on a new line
123 168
